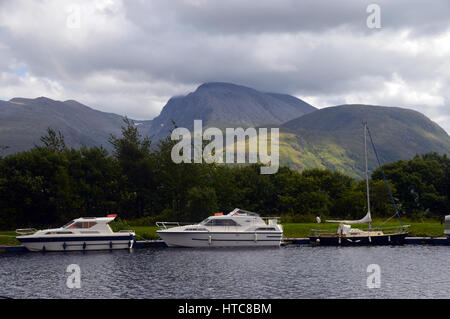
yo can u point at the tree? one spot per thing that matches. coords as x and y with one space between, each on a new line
201 204
175 179
54 141
132 151
421 184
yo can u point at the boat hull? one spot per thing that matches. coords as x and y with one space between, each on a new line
386 239
77 243
221 239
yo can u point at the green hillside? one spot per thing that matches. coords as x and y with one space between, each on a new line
333 137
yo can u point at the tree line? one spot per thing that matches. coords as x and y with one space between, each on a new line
52 184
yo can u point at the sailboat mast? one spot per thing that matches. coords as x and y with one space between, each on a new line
367 171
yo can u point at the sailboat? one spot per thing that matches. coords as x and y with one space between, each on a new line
348 236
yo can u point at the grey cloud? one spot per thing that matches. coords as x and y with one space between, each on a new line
235 16
146 51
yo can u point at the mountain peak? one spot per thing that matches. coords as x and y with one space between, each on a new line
43 98
348 116
222 104
335 139
37 99
223 85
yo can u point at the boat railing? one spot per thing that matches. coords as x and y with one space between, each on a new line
392 229
318 232
268 219
165 225
26 231
126 231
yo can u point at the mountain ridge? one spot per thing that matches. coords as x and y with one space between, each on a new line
333 137
324 138
223 104
23 121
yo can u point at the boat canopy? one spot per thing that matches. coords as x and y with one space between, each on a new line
365 220
238 211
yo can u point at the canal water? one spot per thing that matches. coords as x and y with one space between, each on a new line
287 272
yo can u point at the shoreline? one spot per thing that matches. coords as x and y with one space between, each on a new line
435 241
417 229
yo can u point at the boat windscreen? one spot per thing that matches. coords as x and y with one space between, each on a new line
68 224
241 211
238 211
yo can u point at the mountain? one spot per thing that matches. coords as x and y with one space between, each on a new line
327 138
333 137
226 105
24 121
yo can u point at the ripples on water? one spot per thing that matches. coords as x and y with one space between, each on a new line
288 272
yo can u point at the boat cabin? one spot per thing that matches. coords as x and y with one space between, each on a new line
92 224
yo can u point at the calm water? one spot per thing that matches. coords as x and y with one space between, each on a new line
288 272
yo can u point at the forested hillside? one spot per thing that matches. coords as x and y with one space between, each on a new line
52 184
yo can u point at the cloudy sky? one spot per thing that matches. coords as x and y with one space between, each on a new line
129 57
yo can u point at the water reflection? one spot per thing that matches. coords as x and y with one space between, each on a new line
289 272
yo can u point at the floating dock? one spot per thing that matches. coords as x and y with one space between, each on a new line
408 241
295 241
139 244
12 249
427 241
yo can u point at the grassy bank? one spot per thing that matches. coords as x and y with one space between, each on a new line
419 229
7 239
291 230
298 230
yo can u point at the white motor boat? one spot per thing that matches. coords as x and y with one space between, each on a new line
86 233
239 228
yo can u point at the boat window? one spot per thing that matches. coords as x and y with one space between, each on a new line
197 229
83 225
221 222
265 228
58 232
205 221
68 224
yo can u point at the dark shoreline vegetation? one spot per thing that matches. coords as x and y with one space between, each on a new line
52 184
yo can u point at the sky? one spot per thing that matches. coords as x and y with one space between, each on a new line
129 57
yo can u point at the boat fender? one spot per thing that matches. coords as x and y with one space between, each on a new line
209 240
370 239
339 240
110 245
318 240
84 245
389 238
64 246
43 249
256 237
